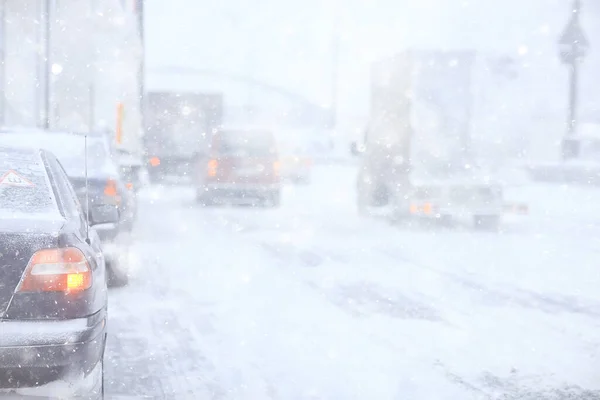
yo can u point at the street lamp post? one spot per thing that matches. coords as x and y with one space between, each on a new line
573 46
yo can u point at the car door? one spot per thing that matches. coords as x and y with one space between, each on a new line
76 213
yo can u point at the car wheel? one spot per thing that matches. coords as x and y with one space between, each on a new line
276 199
303 180
204 199
102 380
273 199
362 205
100 391
96 391
116 277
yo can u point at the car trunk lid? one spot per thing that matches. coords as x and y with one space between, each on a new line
249 170
19 240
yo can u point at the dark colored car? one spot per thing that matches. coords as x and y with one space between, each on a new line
133 174
240 164
53 292
106 187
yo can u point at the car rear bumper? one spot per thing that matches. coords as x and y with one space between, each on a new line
33 353
483 210
295 171
297 175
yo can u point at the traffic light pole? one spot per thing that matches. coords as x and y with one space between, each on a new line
573 94
573 46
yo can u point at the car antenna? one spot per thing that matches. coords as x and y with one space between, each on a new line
87 192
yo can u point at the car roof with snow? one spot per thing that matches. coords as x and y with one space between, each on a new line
24 184
245 128
68 147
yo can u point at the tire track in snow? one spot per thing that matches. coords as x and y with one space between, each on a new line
291 256
360 299
510 295
153 349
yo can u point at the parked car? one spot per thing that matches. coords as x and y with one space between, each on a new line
240 164
106 186
53 296
132 170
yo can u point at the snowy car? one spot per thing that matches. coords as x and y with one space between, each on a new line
240 165
53 297
103 185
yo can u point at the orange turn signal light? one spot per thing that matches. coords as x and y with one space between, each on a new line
155 161
212 168
57 270
111 188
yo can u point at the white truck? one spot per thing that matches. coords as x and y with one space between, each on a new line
179 125
417 159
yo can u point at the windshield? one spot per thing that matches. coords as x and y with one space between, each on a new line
24 187
244 143
68 148
71 154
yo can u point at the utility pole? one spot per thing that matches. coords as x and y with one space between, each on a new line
573 46
47 64
142 72
3 62
335 66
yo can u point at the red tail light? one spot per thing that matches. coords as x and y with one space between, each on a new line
155 161
111 188
212 168
57 270
111 193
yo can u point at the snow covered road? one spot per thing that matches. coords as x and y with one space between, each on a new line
310 301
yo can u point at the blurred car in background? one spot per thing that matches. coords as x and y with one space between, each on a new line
133 174
106 186
296 165
53 296
132 169
240 164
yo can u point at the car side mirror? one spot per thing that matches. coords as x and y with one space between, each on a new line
103 214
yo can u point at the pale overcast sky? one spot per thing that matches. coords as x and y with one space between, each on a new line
288 42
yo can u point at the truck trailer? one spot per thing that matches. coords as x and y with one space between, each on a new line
178 127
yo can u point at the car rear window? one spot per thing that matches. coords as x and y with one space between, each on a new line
71 155
68 148
24 186
245 143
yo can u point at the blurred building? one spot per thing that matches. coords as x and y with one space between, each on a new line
92 79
